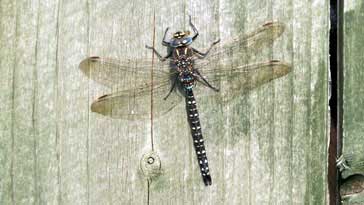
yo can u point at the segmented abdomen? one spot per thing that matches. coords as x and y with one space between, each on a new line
194 121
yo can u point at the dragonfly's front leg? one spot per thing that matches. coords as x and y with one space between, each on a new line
202 55
159 55
199 76
193 28
164 42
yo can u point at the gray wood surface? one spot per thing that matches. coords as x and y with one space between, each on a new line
353 99
267 146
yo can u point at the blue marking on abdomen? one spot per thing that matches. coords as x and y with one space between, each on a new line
189 87
187 78
187 82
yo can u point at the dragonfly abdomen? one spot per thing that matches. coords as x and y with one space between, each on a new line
198 142
187 81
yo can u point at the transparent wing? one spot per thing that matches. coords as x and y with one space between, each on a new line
241 78
242 47
133 77
227 64
112 72
136 103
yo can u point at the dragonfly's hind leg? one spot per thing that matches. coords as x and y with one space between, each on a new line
159 55
202 55
172 88
205 81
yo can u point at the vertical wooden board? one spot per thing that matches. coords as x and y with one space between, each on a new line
283 108
266 147
99 32
71 93
310 116
100 25
208 21
319 102
352 147
301 95
38 104
261 115
7 52
118 144
44 112
171 132
233 141
22 171
269 143
353 97
45 164
223 137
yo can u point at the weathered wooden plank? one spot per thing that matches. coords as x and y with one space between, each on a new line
261 117
257 175
7 46
230 156
44 112
301 94
352 148
36 73
318 103
283 109
119 144
266 146
172 133
353 92
23 188
72 99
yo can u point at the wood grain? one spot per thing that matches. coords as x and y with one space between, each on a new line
353 144
267 146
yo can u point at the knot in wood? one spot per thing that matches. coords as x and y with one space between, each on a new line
150 164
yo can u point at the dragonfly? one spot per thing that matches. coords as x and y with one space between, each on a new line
182 73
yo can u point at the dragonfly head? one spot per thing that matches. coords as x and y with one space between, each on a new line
181 34
181 38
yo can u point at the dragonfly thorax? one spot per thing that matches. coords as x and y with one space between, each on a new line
183 60
184 64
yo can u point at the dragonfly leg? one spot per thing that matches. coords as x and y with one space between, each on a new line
203 55
172 88
193 28
159 55
164 42
205 81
